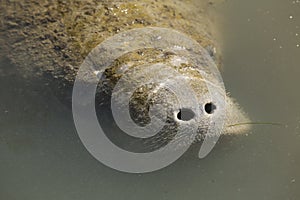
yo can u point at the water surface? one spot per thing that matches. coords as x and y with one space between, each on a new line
41 156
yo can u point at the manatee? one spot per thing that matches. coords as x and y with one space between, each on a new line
51 40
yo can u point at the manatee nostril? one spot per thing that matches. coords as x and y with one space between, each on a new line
209 108
185 114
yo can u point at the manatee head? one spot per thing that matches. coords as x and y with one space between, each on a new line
161 94
161 86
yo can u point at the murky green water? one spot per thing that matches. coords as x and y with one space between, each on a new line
41 156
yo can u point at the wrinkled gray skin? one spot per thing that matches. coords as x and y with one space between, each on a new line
52 38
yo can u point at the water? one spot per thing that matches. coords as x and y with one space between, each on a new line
41 156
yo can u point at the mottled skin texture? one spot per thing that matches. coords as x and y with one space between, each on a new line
55 36
50 39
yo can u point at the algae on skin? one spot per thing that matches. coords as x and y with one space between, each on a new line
53 37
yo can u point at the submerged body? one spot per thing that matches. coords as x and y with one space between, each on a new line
51 39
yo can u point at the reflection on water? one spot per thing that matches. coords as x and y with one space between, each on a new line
41 156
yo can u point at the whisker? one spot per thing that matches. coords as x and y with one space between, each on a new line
257 123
